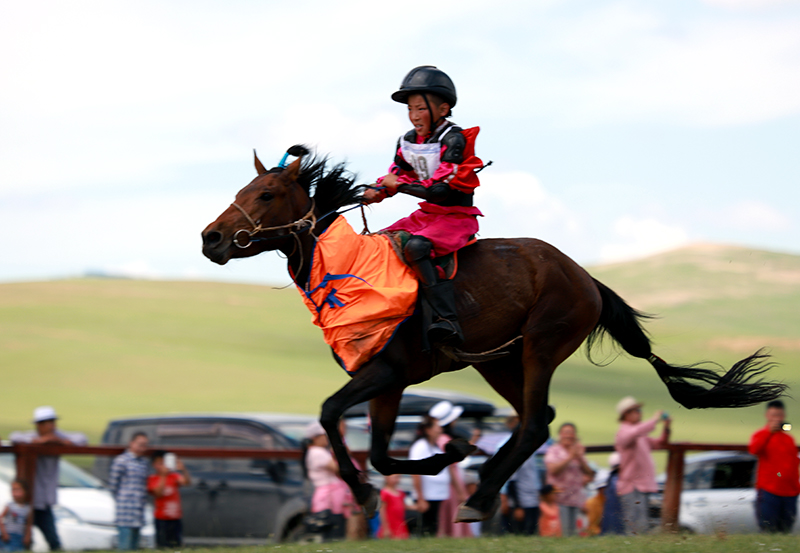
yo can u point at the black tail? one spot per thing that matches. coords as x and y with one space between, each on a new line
691 386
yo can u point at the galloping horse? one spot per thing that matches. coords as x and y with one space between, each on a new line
506 288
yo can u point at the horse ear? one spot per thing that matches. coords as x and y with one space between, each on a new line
259 166
292 170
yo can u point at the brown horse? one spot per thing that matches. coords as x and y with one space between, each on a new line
506 288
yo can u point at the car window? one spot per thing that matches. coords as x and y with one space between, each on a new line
70 476
294 430
705 475
189 434
690 477
8 468
245 435
734 474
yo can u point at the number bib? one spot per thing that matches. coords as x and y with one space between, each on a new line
424 158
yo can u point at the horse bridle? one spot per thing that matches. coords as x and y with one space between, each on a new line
307 220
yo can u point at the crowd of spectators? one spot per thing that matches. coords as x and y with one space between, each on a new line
547 499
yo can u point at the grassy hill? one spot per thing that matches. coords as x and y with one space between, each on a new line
100 348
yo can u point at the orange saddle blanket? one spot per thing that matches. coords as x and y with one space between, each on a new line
359 291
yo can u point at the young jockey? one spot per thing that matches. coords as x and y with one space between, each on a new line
434 161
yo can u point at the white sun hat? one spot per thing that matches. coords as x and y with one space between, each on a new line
313 430
44 413
445 412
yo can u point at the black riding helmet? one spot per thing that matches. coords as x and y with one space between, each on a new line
426 78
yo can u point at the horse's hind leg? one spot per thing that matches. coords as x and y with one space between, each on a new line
527 391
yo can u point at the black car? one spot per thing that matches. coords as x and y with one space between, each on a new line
229 499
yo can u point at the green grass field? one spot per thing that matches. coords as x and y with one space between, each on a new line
97 349
512 544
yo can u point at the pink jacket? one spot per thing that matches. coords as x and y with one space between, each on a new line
636 468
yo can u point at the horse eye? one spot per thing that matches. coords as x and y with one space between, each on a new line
266 196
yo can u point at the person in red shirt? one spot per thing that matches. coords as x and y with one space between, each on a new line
777 476
393 510
164 486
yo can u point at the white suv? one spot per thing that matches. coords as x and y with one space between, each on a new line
718 493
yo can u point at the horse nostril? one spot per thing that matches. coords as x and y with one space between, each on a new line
212 238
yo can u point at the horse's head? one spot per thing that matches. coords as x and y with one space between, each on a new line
264 215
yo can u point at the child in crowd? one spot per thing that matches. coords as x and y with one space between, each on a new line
16 520
393 510
549 521
435 161
170 475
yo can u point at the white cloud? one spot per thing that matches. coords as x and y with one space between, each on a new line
640 238
516 204
630 63
751 4
753 215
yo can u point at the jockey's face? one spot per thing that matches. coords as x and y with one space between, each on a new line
419 115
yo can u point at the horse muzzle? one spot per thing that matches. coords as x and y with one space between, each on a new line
215 247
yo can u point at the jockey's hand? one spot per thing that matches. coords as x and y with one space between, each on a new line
373 195
390 182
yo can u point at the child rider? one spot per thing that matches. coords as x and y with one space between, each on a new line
435 161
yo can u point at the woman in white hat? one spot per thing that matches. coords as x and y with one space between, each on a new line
447 413
431 491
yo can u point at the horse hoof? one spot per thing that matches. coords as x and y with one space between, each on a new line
469 514
460 447
372 504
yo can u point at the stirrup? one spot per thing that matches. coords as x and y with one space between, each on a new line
445 333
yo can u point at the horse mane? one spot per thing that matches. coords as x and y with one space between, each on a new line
331 187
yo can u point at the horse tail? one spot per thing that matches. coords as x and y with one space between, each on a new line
692 386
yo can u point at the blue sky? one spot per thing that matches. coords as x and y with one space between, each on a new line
617 128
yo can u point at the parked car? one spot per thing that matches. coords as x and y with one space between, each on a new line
85 511
232 500
718 493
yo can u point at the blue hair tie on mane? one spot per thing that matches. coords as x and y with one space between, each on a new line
282 164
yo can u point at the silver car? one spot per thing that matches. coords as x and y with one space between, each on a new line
718 494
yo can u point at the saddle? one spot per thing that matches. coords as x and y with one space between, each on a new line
446 265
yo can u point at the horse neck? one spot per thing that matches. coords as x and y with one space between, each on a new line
299 254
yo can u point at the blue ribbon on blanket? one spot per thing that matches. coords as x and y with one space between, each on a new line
331 298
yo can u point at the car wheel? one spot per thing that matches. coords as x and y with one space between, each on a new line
293 530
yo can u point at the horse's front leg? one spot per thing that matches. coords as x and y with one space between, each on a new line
371 380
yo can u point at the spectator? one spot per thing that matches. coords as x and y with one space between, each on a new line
637 472
777 480
327 503
519 498
447 413
45 481
549 513
128 483
612 522
16 520
566 468
170 475
429 490
393 510
595 505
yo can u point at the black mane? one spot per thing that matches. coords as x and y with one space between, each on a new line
331 188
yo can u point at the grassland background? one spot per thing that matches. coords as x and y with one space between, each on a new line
97 349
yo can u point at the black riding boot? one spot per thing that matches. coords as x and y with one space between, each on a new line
440 296
444 330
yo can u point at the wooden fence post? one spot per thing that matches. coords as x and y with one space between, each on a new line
671 504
